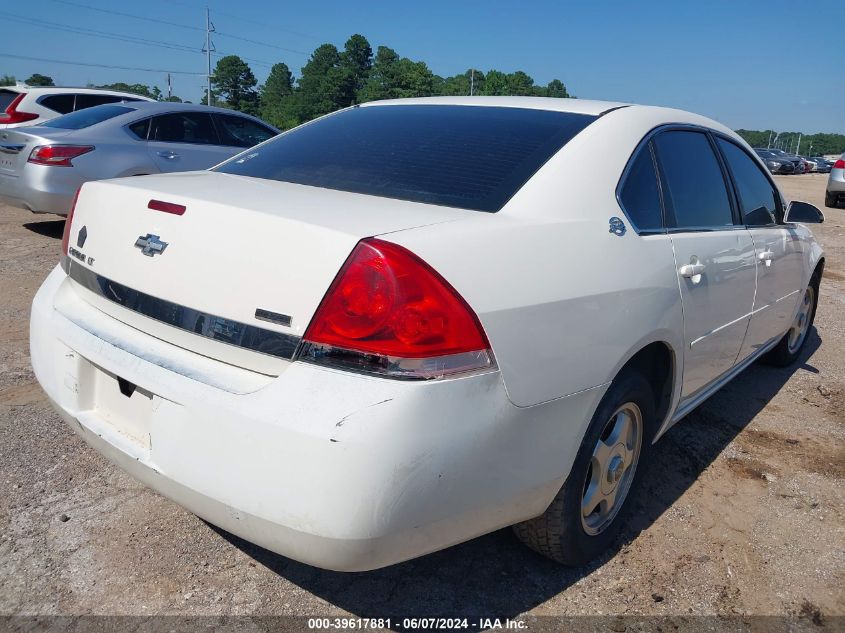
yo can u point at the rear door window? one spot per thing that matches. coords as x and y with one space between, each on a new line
63 104
759 201
640 196
184 127
87 117
238 131
694 192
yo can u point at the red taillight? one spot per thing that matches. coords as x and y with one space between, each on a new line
57 155
167 207
839 164
12 115
389 312
68 222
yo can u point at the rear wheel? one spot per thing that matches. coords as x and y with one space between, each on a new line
830 199
586 515
789 347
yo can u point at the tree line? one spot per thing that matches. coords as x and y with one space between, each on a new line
334 79
811 144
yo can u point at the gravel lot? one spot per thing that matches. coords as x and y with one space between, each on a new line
743 512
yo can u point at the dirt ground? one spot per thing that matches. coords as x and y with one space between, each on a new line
742 512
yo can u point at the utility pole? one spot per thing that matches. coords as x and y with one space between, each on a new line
169 88
209 48
769 144
798 147
471 81
776 139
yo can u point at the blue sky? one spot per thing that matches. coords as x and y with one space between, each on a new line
748 64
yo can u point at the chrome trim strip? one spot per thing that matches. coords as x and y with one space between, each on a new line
200 323
688 404
398 368
720 328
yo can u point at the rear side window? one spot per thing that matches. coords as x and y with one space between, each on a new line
472 157
184 127
239 131
140 129
90 100
640 196
758 200
6 98
88 117
63 104
694 190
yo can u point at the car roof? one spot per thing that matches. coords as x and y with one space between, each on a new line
41 90
575 106
138 110
589 107
175 106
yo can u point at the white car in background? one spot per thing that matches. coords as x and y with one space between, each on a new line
413 322
23 105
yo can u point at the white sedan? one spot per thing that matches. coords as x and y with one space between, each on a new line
409 323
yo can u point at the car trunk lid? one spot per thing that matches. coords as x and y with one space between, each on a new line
16 146
236 269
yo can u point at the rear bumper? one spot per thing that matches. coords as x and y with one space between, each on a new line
333 469
39 191
836 181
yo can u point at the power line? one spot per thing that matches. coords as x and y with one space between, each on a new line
70 63
117 36
176 24
128 15
240 18
246 39
92 32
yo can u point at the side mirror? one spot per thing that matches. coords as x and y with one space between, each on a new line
803 213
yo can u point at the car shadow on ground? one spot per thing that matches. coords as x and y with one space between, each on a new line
496 576
47 228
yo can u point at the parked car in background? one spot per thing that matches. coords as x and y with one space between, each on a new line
822 165
42 167
809 166
795 160
835 192
775 163
800 165
23 105
386 331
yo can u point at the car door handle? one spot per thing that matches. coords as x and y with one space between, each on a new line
691 270
767 256
169 155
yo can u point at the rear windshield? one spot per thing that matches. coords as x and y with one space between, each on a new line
472 157
87 117
6 98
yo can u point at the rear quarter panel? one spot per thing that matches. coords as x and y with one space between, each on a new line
565 302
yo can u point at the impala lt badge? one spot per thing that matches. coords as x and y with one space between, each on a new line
150 245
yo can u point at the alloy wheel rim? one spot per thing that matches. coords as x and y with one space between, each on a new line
801 324
611 468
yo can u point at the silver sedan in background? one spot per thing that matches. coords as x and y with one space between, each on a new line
834 194
42 167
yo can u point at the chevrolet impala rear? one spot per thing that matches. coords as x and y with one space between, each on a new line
392 329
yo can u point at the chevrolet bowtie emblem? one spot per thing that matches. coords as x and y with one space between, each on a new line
150 244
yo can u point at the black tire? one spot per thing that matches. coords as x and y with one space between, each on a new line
781 355
830 199
559 533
